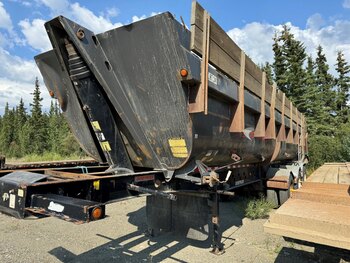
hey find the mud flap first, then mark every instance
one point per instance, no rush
(187, 216)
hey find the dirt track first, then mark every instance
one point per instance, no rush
(120, 238)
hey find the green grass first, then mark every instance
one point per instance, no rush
(48, 156)
(258, 208)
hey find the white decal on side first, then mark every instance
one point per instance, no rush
(12, 203)
(56, 207)
(212, 78)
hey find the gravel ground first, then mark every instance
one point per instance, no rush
(120, 238)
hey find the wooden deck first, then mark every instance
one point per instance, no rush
(335, 173)
(319, 212)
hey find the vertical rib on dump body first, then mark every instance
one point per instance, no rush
(132, 94)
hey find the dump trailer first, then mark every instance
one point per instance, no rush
(179, 114)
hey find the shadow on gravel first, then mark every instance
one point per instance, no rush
(139, 247)
(324, 254)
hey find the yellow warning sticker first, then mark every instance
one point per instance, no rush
(180, 155)
(178, 147)
(105, 146)
(96, 185)
(177, 142)
(96, 125)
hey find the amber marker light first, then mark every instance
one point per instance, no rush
(184, 73)
(96, 213)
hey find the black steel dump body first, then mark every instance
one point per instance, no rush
(182, 115)
(125, 99)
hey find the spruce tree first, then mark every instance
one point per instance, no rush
(20, 118)
(324, 83)
(343, 86)
(54, 129)
(279, 65)
(289, 55)
(37, 124)
(6, 135)
(267, 68)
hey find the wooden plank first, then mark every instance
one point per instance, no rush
(290, 133)
(237, 124)
(297, 136)
(205, 60)
(223, 61)
(260, 130)
(279, 96)
(268, 93)
(295, 114)
(252, 84)
(217, 34)
(200, 103)
(282, 131)
(271, 126)
(287, 105)
(216, 57)
(253, 69)
(223, 49)
(226, 56)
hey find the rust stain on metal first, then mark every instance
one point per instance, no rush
(145, 151)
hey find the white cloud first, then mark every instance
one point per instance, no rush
(16, 68)
(256, 38)
(35, 34)
(11, 91)
(55, 6)
(138, 18)
(17, 78)
(315, 22)
(5, 19)
(82, 15)
(346, 4)
(112, 12)
(23, 2)
(88, 19)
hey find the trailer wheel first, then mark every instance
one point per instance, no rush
(272, 197)
(285, 194)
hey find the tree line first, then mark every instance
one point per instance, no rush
(322, 97)
(24, 133)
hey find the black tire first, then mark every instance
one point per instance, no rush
(272, 197)
(285, 194)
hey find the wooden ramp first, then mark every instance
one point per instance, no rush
(319, 212)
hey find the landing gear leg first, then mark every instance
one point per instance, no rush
(217, 246)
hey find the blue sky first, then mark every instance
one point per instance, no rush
(250, 23)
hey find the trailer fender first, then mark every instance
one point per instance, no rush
(278, 178)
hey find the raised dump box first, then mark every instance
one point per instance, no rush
(187, 104)
(319, 212)
(156, 95)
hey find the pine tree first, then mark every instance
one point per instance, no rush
(7, 134)
(267, 68)
(20, 118)
(290, 56)
(343, 86)
(324, 82)
(279, 65)
(54, 129)
(37, 124)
